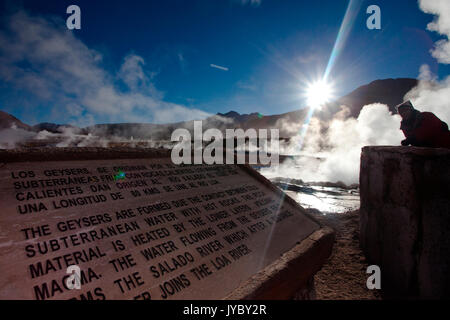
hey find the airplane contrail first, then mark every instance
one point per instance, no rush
(218, 67)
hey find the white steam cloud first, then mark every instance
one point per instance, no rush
(15, 137)
(440, 24)
(431, 94)
(338, 152)
(41, 57)
(10, 137)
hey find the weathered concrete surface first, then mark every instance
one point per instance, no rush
(405, 219)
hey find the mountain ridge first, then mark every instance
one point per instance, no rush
(386, 91)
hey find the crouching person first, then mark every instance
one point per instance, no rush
(422, 129)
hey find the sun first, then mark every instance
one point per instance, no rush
(319, 93)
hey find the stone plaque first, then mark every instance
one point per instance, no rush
(138, 228)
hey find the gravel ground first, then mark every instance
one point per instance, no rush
(344, 276)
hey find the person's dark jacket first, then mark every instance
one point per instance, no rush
(424, 129)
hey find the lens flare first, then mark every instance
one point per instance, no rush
(318, 94)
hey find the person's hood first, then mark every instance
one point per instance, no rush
(406, 104)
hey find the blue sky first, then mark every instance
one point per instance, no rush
(150, 61)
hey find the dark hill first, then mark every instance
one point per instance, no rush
(7, 121)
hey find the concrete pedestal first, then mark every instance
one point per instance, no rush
(405, 219)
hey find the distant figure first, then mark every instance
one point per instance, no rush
(422, 129)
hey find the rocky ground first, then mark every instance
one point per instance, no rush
(344, 276)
